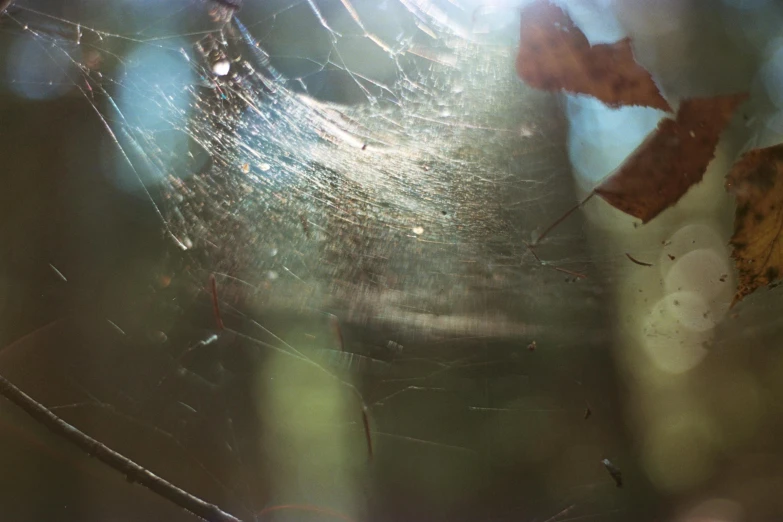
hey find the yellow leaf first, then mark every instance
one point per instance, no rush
(756, 180)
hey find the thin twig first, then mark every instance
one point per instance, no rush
(531, 248)
(562, 218)
(132, 471)
(577, 275)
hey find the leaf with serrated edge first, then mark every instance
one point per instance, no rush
(756, 180)
(671, 159)
(555, 55)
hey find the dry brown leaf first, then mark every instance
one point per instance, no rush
(554, 54)
(756, 180)
(671, 159)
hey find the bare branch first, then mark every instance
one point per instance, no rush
(132, 471)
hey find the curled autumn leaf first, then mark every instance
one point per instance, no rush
(756, 181)
(673, 158)
(555, 55)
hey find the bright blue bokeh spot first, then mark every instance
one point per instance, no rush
(153, 99)
(39, 69)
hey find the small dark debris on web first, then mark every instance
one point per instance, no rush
(614, 472)
(367, 434)
(723, 278)
(305, 225)
(588, 411)
(636, 261)
(337, 331)
(671, 257)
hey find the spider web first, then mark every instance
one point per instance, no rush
(360, 180)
